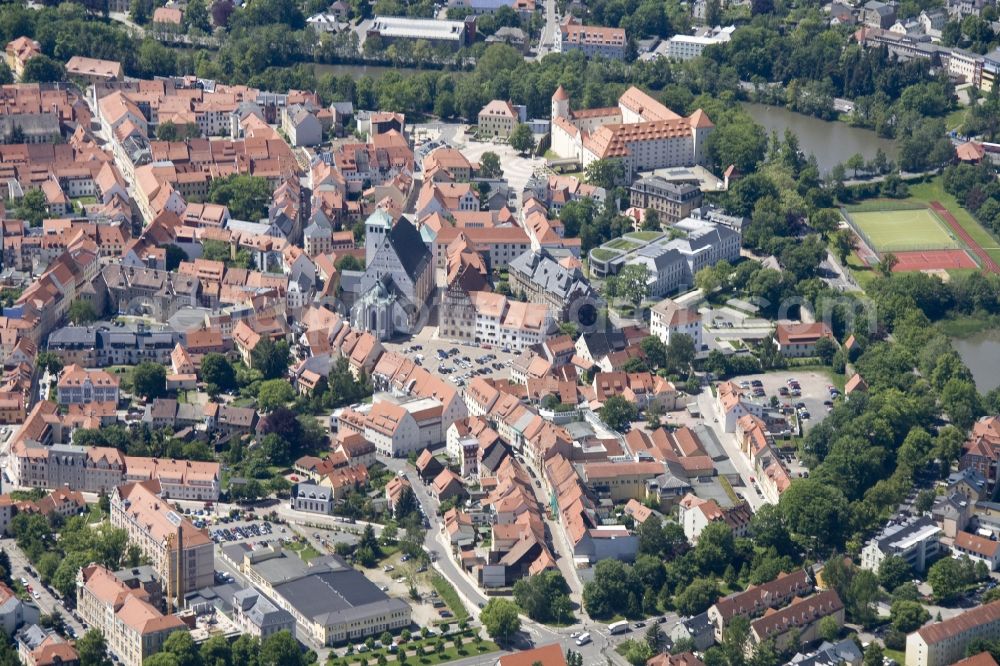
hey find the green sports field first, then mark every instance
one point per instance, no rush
(902, 230)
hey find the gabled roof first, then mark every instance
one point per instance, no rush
(413, 254)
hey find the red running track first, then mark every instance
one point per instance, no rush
(922, 260)
(987, 261)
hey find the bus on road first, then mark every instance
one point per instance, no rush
(618, 627)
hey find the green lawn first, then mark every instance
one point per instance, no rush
(621, 244)
(452, 652)
(602, 254)
(898, 655)
(901, 230)
(885, 204)
(961, 272)
(962, 327)
(645, 236)
(934, 191)
(450, 597)
(956, 118)
(94, 513)
(305, 550)
(728, 487)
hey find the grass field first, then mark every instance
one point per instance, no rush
(934, 191)
(450, 597)
(644, 236)
(899, 230)
(885, 204)
(862, 274)
(622, 244)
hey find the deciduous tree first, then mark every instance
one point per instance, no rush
(501, 620)
(149, 380)
(618, 412)
(521, 139)
(489, 165)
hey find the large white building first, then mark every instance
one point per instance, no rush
(395, 28)
(672, 262)
(917, 540)
(689, 47)
(397, 425)
(640, 131)
(667, 318)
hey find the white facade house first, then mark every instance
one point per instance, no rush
(398, 425)
(977, 548)
(392, 430)
(733, 405)
(302, 126)
(258, 616)
(506, 323)
(463, 447)
(944, 643)
(688, 47)
(695, 514)
(916, 540)
(668, 318)
(79, 386)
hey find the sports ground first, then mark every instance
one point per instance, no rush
(903, 230)
(923, 236)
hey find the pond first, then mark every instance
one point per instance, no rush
(831, 142)
(981, 353)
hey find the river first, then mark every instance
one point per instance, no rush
(831, 142)
(981, 353)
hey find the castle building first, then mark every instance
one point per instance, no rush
(641, 132)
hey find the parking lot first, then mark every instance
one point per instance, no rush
(241, 531)
(429, 348)
(809, 404)
(460, 367)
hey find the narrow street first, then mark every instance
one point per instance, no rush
(559, 544)
(46, 602)
(706, 403)
(546, 40)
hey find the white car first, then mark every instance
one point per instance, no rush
(36, 595)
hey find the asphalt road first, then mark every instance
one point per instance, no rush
(547, 39)
(836, 275)
(47, 602)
